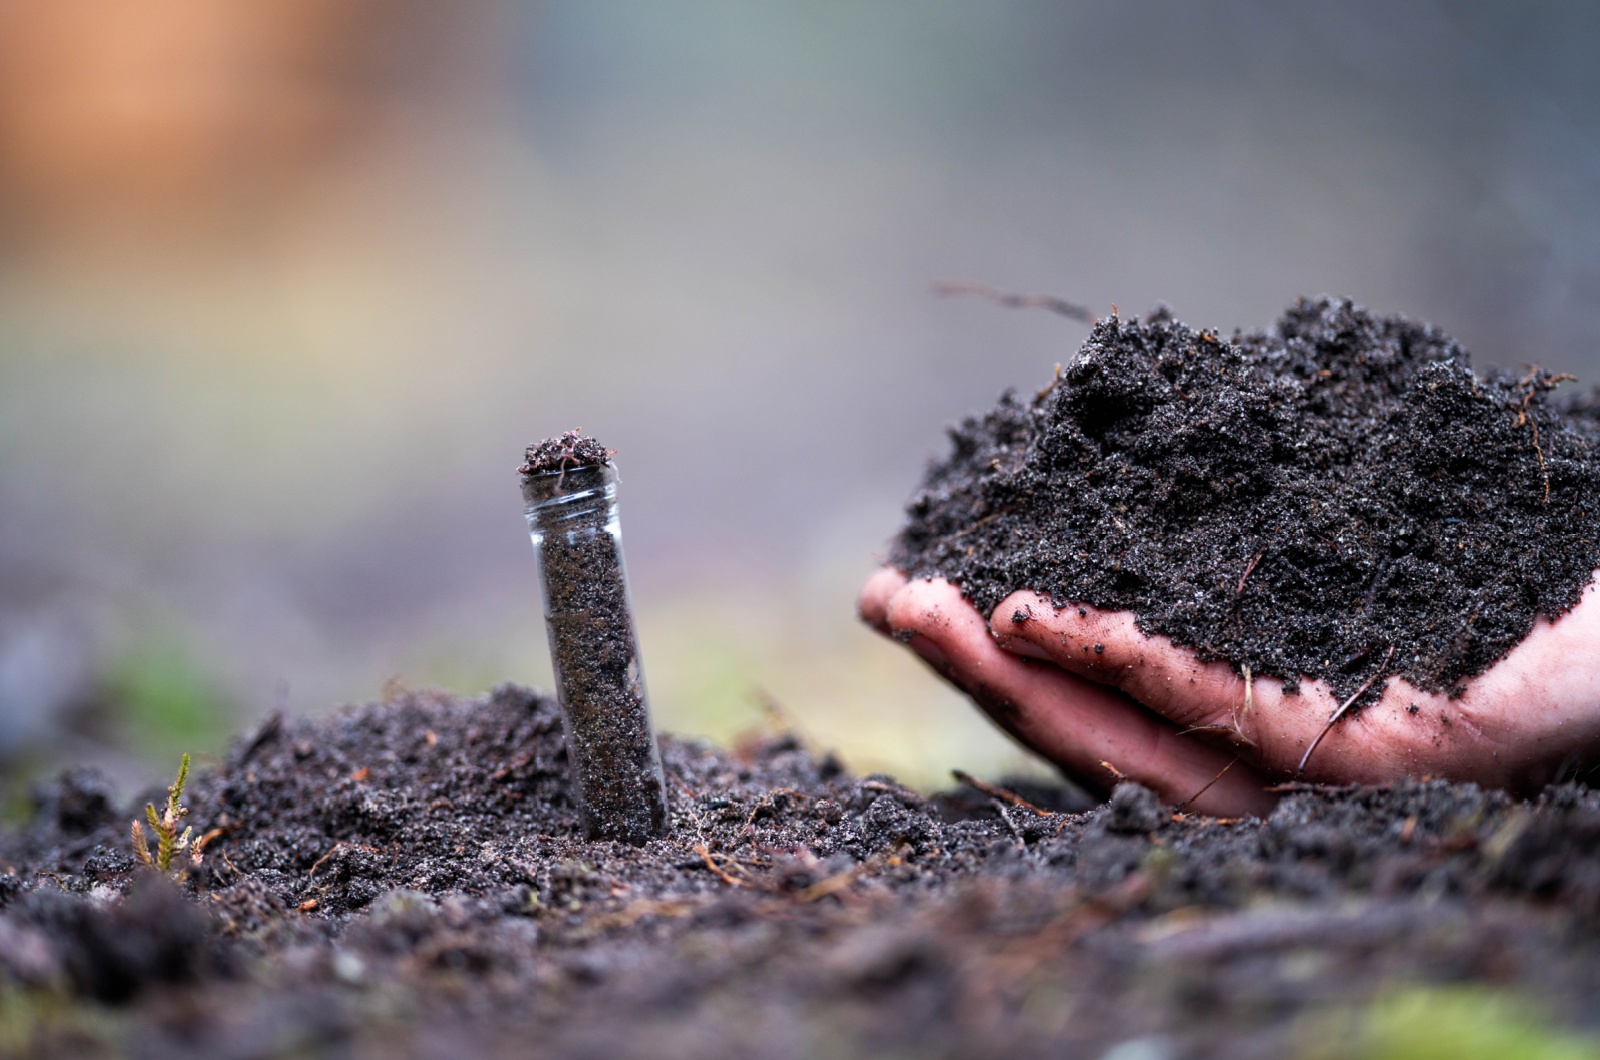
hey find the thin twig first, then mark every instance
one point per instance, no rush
(701, 848)
(1344, 707)
(1249, 569)
(340, 845)
(632, 913)
(1186, 803)
(956, 288)
(995, 791)
(1294, 787)
(1000, 808)
(1235, 734)
(1238, 593)
(705, 855)
(991, 517)
(841, 881)
(1538, 449)
(1249, 705)
(1215, 726)
(832, 885)
(1535, 384)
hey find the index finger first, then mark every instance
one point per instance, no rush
(1109, 647)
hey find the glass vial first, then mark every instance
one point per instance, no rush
(577, 542)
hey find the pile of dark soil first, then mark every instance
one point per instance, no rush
(1300, 501)
(407, 878)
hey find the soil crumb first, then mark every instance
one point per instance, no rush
(408, 878)
(1300, 501)
(570, 450)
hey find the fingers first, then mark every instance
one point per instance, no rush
(1406, 732)
(1108, 647)
(1532, 718)
(1074, 722)
(873, 603)
(1532, 715)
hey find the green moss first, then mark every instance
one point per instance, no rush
(1446, 1023)
(35, 1022)
(16, 798)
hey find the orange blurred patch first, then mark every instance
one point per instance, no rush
(179, 115)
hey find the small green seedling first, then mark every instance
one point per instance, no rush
(169, 844)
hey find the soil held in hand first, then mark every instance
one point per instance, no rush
(409, 878)
(1300, 501)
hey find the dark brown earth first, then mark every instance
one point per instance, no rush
(407, 878)
(1304, 501)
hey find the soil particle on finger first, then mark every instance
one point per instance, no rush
(1299, 501)
(409, 878)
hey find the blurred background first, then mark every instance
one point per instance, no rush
(287, 285)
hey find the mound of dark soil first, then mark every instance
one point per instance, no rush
(408, 879)
(1300, 501)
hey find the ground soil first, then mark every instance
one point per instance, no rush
(408, 878)
(1335, 497)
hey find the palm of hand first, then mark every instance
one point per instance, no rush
(1086, 689)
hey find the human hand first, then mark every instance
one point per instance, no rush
(1087, 690)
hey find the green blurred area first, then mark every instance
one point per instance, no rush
(719, 665)
(16, 790)
(1445, 1023)
(715, 668)
(162, 701)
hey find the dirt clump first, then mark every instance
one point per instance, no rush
(569, 450)
(409, 878)
(1307, 502)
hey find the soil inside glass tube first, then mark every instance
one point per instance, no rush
(593, 644)
(595, 650)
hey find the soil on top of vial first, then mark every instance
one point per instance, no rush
(1307, 501)
(570, 450)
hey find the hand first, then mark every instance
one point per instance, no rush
(1087, 690)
